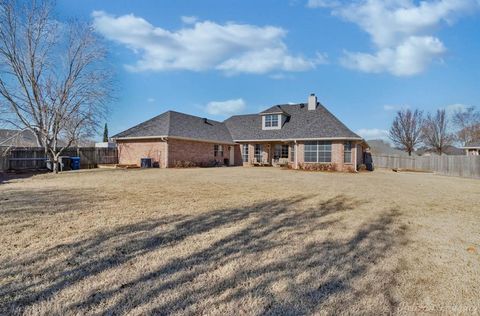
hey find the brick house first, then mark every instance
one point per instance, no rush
(293, 134)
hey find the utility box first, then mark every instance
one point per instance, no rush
(146, 162)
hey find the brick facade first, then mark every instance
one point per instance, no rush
(168, 153)
(200, 153)
(131, 151)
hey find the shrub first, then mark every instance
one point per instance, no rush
(349, 169)
(362, 167)
(184, 164)
(288, 166)
(318, 166)
(209, 164)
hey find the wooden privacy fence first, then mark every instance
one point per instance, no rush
(34, 158)
(460, 166)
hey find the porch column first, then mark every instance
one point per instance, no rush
(355, 158)
(295, 149)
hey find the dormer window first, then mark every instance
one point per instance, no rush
(271, 120)
(275, 118)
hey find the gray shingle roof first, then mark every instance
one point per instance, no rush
(301, 123)
(275, 109)
(473, 144)
(17, 138)
(26, 138)
(177, 124)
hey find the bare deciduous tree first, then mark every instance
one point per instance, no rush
(467, 123)
(53, 76)
(435, 132)
(406, 129)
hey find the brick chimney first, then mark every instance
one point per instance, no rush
(312, 102)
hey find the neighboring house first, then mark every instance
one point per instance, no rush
(294, 134)
(26, 138)
(472, 148)
(379, 147)
(448, 150)
(17, 138)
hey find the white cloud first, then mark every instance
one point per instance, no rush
(231, 47)
(457, 107)
(373, 133)
(151, 100)
(390, 22)
(189, 19)
(392, 107)
(411, 57)
(401, 31)
(227, 107)
(322, 3)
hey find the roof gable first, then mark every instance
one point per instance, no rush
(276, 109)
(302, 124)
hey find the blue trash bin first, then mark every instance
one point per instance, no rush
(75, 163)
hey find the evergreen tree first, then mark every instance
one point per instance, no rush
(105, 134)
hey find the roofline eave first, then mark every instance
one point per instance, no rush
(298, 139)
(165, 138)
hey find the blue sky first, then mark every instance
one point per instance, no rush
(363, 59)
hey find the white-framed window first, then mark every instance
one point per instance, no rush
(318, 151)
(217, 150)
(271, 120)
(258, 152)
(245, 152)
(347, 152)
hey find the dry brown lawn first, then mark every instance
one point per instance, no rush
(239, 241)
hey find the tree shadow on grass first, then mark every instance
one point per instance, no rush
(24, 206)
(6, 177)
(282, 256)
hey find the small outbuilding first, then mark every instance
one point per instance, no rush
(472, 148)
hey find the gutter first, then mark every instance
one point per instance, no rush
(165, 138)
(235, 141)
(296, 139)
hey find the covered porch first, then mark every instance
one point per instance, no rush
(277, 153)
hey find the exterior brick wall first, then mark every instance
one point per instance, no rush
(131, 151)
(238, 156)
(300, 152)
(199, 152)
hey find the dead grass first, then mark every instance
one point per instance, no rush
(239, 241)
